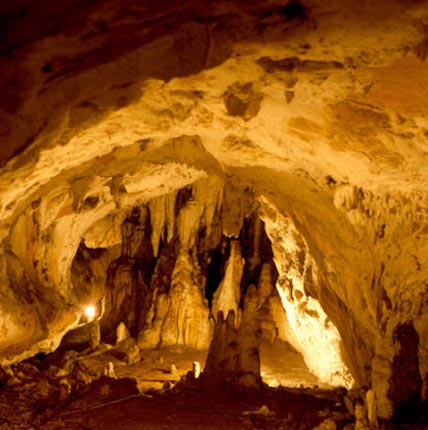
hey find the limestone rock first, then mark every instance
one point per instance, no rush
(149, 336)
(122, 332)
(327, 424)
(187, 319)
(372, 413)
(228, 295)
(338, 166)
(233, 359)
(130, 349)
(304, 313)
(242, 100)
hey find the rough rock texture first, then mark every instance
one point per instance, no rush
(228, 294)
(187, 316)
(315, 110)
(298, 279)
(233, 358)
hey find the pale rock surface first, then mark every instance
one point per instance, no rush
(122, 332)
(327, 424)
(228, 295)
(234, 356)
(325, 117)
(372, 414)
(317, 339)
(265, 286)
(149, 337)
(284, 331)
(187, 319)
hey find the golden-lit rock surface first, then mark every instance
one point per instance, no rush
(312, 115)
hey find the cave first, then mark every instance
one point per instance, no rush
(214, 214)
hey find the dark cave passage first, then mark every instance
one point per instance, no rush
(141, 286)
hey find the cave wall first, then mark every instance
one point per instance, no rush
(395, 231)
(315, 110)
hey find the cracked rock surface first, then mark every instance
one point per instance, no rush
(212, 118)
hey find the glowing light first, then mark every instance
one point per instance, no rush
(90, 312)
(197, 368)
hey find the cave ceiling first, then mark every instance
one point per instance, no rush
(318, 109)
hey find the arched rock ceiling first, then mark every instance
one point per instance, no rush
(342, 94)
(320, 109)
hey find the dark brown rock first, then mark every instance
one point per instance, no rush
(242, 100)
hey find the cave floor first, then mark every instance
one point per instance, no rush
(190, 407)
(196, 409)
(281, 365)
(146, 395)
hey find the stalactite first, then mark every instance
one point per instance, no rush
(257, 240)
(210, 192)
(162, 218)
(127, 293)
(121, 295)
(133, 232)
(238, 203)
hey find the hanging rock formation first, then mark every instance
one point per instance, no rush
(311, 114)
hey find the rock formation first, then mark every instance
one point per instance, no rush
(161, 155)
(233, 358)
(228, 295)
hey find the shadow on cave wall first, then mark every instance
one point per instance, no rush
(406, 382)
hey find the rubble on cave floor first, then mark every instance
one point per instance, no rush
(117, 387)
(109, 403)
(71, 389)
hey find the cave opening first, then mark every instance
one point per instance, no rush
(187, 186)
(159, 293)
(194, 293)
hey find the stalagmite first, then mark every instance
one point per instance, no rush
(233, 358)
(187, 318)
(228, 295)
(258, 226)
(150, 335)
(220, 362)
(248, 371)
(372, 413)
(122, 332)
(265, 161)
(265, 283)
